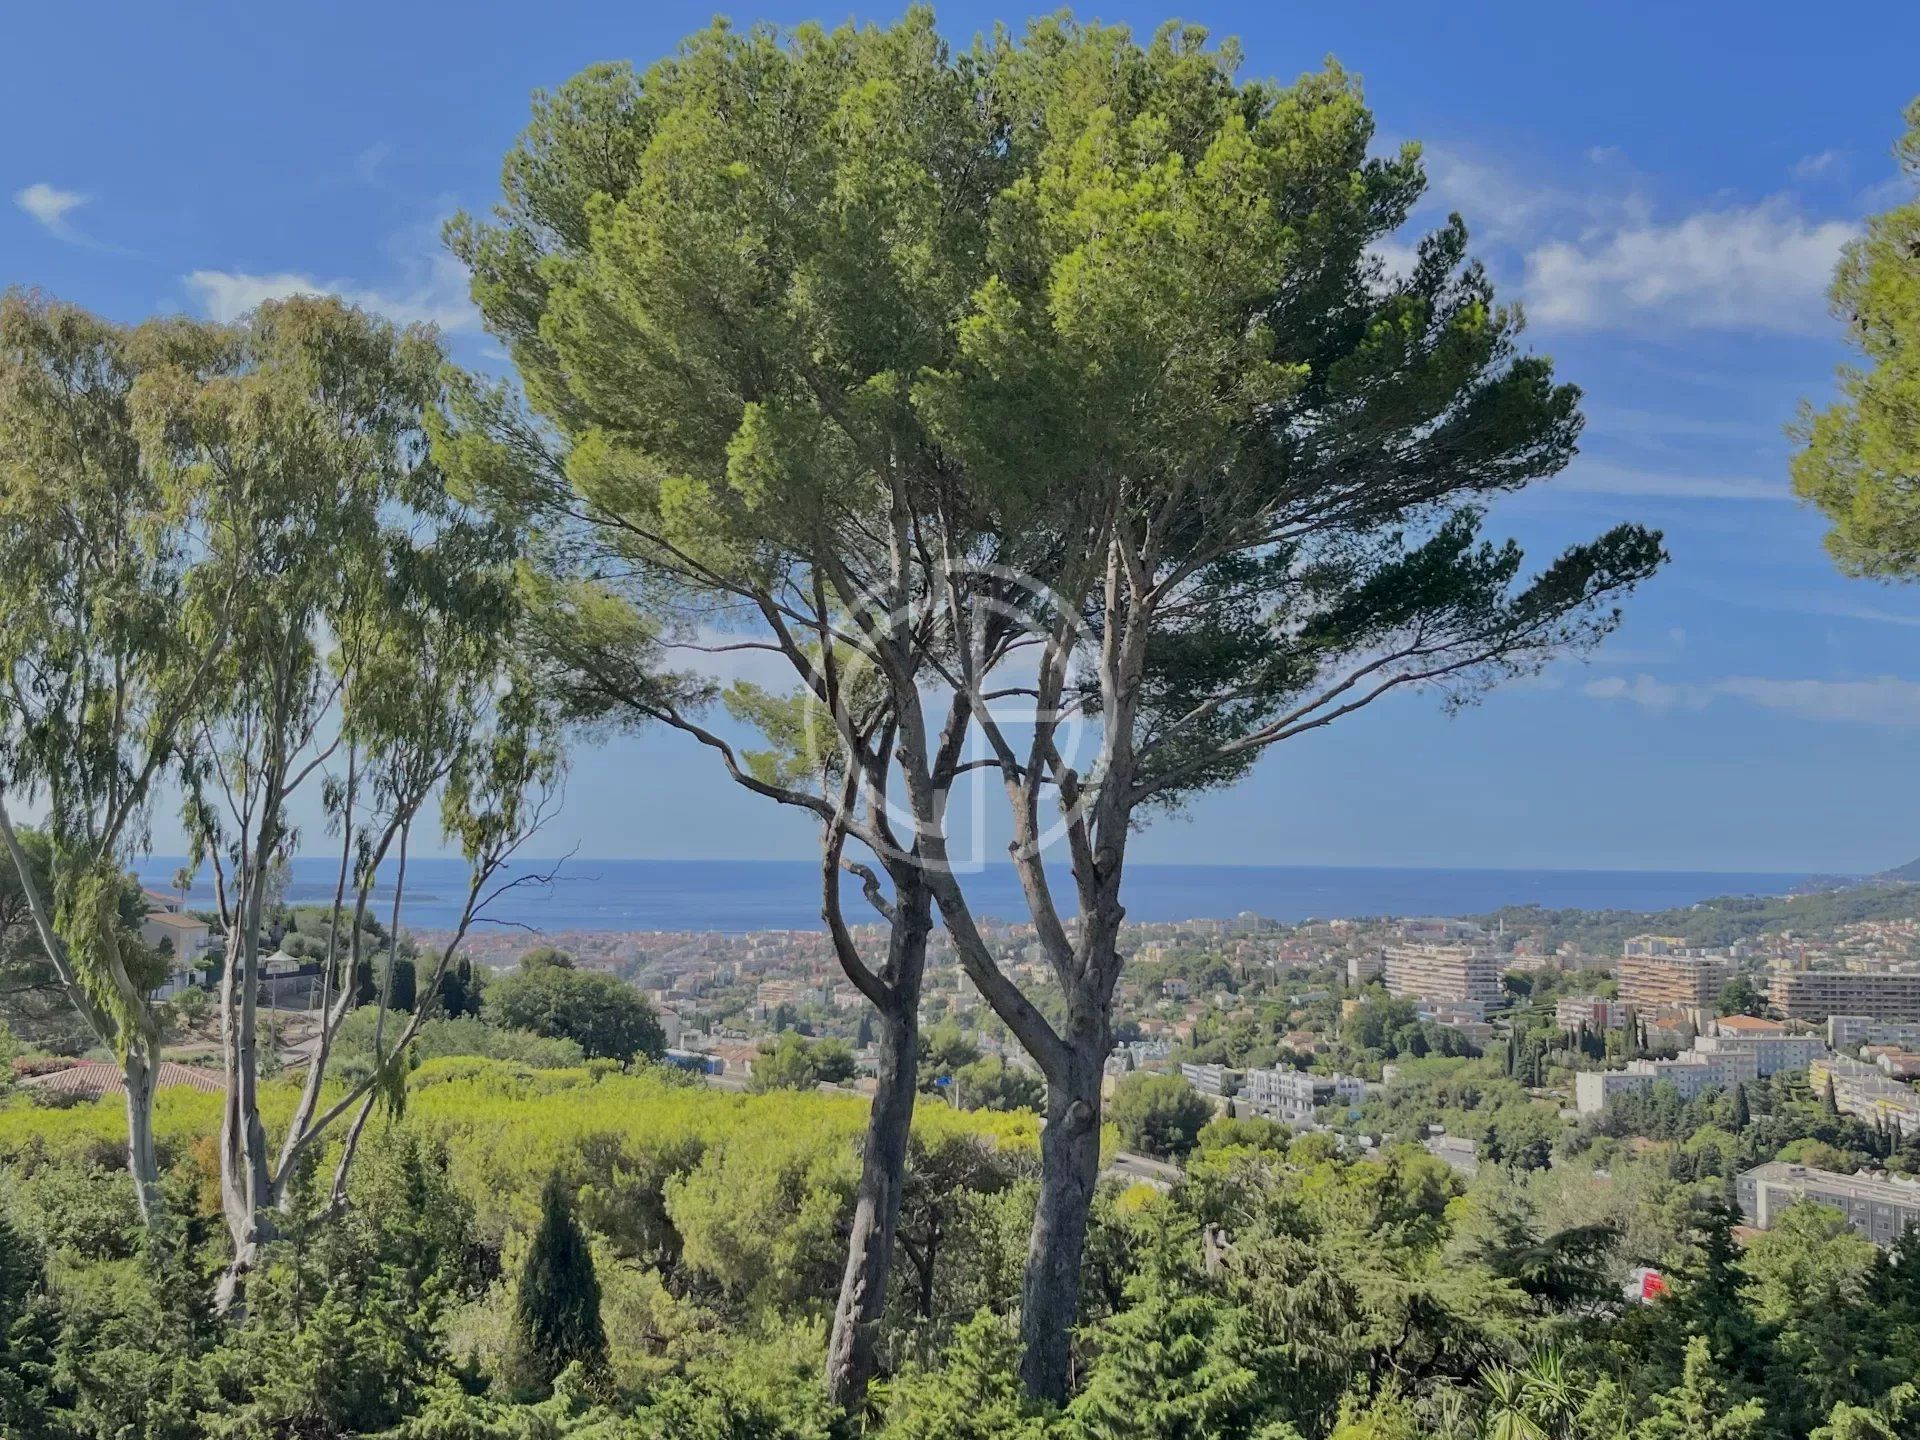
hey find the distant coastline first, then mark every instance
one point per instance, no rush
(743, 895)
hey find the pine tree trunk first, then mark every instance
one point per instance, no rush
(883, 1166)
(1069, 1170)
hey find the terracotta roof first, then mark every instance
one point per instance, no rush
(1749, 1025)
(96, 1079)
(173, 921)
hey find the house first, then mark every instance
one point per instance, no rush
(182, 937)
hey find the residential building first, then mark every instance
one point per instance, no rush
(185, 937)
(1443, 972)
(1294, 1095)
(1654, 945)
(1365, 968)
(1817, 994)
(1595, 1012)
(1746, 1025)
(1868, 1092)
(1772, 1054)
(1657, 979)
(1691, 1074)
(1209, 1079)
(1844, 1032)
(1879, 1208)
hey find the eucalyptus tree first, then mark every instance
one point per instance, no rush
(678, 261)
(370, 619)
(105, 649)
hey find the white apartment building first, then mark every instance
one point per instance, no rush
(1846, 1031)
(1691, 1074)
(1868, 1092)
(1208, 1079)
(1772, 1053)
(1365, 968)
(1293, 1095)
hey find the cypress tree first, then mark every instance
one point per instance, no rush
(556, 1315)
(1742, 1113)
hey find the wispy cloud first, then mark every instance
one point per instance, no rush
(1761, 267)
(51, 208)
(1882, 700)
(1604, 254)
(1810, 167)
(1600, 477)
(433, 291)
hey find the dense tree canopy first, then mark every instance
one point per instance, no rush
(606, 1017)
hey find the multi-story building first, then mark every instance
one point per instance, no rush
(1817, 994)
(1691, 1074)
(1365, 968)
(1209, 1079)
(1868, 1092)
(1772, 1054)
(1443, 972)
(1294, 1095)
(1880, 1209)
(1653, 980)
(1846, 1031)
(1595, 1012)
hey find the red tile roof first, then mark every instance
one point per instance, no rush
(96, 1079)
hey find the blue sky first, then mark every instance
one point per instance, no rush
(1664, 186)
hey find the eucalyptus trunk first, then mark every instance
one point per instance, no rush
(853, 1343)
(246, 1181)
(140, 1069)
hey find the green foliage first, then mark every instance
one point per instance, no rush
(975, 1394)
(793, 1062)
(556, 1307)
(1860, 454)
(1699, 1408)
(990, 1083)
(1158, 1114)
(606, 1017)
(437, 1038)
(29, 1326)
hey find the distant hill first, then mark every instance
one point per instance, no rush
(1907, 874)
(1722, 921)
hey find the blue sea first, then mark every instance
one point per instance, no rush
(737, 895)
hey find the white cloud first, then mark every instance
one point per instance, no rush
(49, 206)
(1759, 267)
(1880, 700)
(1599, 477)
(436, 293)
(1810, 166)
